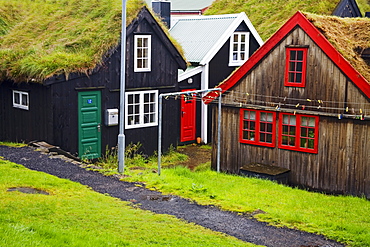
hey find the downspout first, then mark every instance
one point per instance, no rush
(204, 107)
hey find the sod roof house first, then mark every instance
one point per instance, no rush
(347, 8)
(60, 74)
(214, 46)
(302, 103)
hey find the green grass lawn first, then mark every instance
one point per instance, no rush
(74, 215)
(68, 216)
(342, 218)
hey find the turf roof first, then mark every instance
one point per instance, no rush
(40, 38)
(350, 36)
(267, 16)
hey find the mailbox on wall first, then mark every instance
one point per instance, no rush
(111, 117)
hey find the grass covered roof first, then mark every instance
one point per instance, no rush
(40, 38)
(267, 16)
(350, 36)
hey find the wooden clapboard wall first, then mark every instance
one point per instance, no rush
(342, 164)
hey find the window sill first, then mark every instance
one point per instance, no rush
(236, 64)
(137, 126)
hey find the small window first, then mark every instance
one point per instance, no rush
(141, 109)
(295, 68)
(142, 53)
(20, 100)
(298, 132)
(257, 127)
(239, 48)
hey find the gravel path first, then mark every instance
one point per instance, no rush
(241, 227)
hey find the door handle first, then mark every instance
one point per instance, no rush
(99, 126)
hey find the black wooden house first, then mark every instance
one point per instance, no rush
(214, 45)
(347, 8)
(79, 112)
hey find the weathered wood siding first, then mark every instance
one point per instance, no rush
(342, 164)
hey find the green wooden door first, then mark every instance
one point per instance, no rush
(89, 124)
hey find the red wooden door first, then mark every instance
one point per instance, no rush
(188, 116)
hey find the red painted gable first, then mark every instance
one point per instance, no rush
(298, 19)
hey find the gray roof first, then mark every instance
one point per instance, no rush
(202, 36)
(186, 5)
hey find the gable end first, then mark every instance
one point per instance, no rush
(298, 20)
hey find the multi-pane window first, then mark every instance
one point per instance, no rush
(298, 132)
(257, 127)
(239, 48)
(141, 109)
(142, 53)
(295, 70)
(20, 100)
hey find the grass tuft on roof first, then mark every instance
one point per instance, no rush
(40, 38)
(350, 36)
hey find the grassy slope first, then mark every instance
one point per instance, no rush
(268, 15)
(73, 215)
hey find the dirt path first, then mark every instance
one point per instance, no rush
(241, 227)
(197, 155)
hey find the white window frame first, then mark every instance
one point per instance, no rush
(21, 104)
(130, 115)
(148, 58)
(239, 44)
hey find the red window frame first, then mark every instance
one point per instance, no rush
(299, 132)
(259, 129)
(295, 67)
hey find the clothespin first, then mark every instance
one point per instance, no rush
(353, 110)
(284, 98)
(309, 100)
(339, 116)
(303, 106)
(347, 109)
(360, 110)
(319, 107)
(297, 105)
(166, 98)
(294, 113)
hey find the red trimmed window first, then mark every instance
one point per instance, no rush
(257, 127)
(298, 132)
(295, 67)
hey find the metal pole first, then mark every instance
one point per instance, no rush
(219, 134)
(121, 135)
(159, 134)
